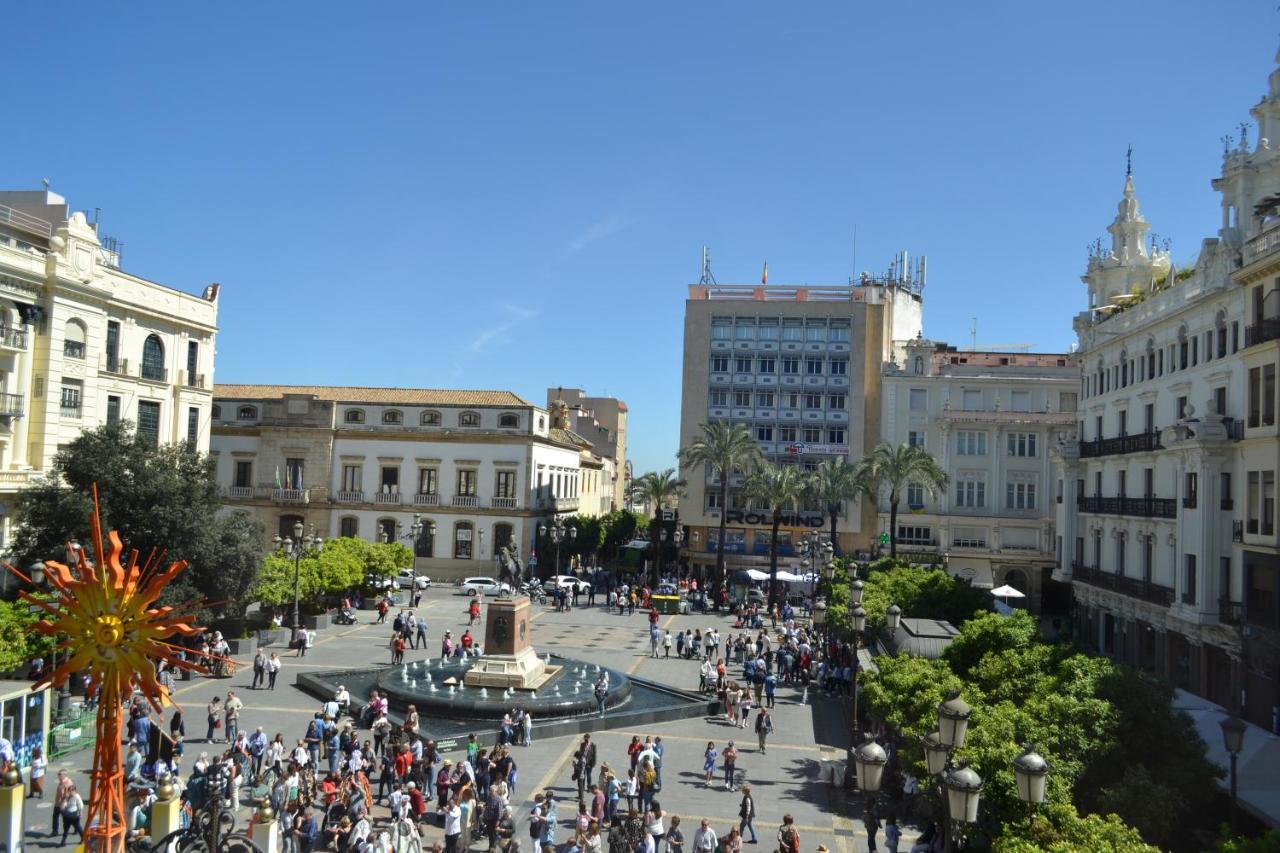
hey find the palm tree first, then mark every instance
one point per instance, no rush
(723, 448)
(893, 468)
(659, 488)
(833, 483)
(779, 487)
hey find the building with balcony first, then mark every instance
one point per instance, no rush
(989, 419)
(485, 466)
(602, 421)
(83, 342)
(1167, 525)
(800, 366)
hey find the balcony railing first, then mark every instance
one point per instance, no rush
(465, 501)
(1132, 587)
(25, 221)
(1230, 612)
(1139, 443)
(565, 504)
(289, 496)
(1267, 329)
(153, 374)
(69, 410)
(73, 349)
(503, 503)
(347, 496)
(11, 405)
(1264, 244)
(240, 492)
(390, 498)
(1140, 507)
(116, 366)
(1237, 531)
(13, 338)
(432, 499)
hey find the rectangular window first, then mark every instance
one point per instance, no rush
(742, 399)
(1020, 496)
(835, 402)
(193, 362)
(713, 500)
(839, 333)
(720, 364)
(743, 364)
(787, 434)
(971, 443)
(813, 401)
(466, 482)
(835, 436)
(792, 333)
(813, 366)
(812, 435)
(1120, 556)
(914, 535)
(919, 400)
(1022, 443)
(971, 491)
(1222, 342)
(149, 421)
(1220, 400)
(915, 495)
(815, 333)
(972, 401)
(720, 398)
(915, 438)
(721, 333)
(243, 477)
(428, 481)
(1124, 423)
(790, 366)
(351, 477)
(764, 433)
(1255, 397)
(1019, 401)
(1181, 407)
(1268, 395)
(1268, 503)
(1190, 484)
(505, 485)
(767, 365)
(1253, 501)
(764, 399)
(969, 537)
(1189, 582)
(767, 333)
(113, 346)
(193, 425)
(1067, 401)
(113, 409)
(744, 333)
(839, 367)
(1149, 417)
(72, 389)
(792, 401)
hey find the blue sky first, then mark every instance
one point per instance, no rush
(515, 195)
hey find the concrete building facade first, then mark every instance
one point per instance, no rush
(602, 421)
(83, 343)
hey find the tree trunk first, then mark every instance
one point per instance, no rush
(773, 561)
(655, 536)
(724, 509)
(835, 513)
(893, 526)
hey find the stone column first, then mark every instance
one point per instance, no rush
(166, 811)
(12, 794)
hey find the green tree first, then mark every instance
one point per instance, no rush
(779, 487)
(1268, 843)
(164, 498)
(19, 643)
(923, 593)
(617, 529)
(834, 483)
(723, 448)
(660, 489)
(893, 469)
(1058, 828)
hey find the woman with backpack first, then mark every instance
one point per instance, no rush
(788, 838)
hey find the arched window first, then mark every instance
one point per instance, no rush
(246, 413)
(502, 534)
(386, 530)
(392, 417)
(508, 420)
(349, 526)
(426, 544)
(73, 339)
(469, 419)
(217, 412)
(353, 416)
(153, 359)
(463, 533)
(431, 419)
(286, 525)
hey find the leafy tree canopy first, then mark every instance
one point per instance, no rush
(922, 593)
(19, 644)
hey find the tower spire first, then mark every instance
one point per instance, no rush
(1128, 162)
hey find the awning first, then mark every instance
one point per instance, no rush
(1006, 591)
(976, 572)
(788, 577)
(1257, 783)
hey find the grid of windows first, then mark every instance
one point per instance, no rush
(1020, 496)
(971, 491)
(971, 443)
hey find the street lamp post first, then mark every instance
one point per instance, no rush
(869, 761)
(37, 575)
(1032, 773)
(959, 787)
(557, 531)
(1233, 729)
(298, 547)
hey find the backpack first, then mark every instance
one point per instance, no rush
(790, 840)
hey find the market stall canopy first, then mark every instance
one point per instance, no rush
(788, 577)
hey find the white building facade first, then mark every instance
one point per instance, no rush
(989, 420)
(486, 467)
(84, 343)
(1168, 524)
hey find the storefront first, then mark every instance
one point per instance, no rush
(24, 718)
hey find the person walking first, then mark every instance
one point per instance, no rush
(231, 711)
(473, 612)
(300, 641)
(705, 841)
(666, 644)
(273, 670)
(788, 838)
(892, 834)
(259, 669)
(72, 811)
(730, 765)
(747, 813)
(655, 637)
(709, 763)
(420, 633)
(872, 824)
(214, 709)
(764, 728)
(38, 767)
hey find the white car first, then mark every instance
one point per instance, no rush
(482, 586)
(408, 578)
(557, 581)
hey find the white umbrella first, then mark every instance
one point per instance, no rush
(1006, 591)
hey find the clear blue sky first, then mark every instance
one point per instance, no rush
(515, 195)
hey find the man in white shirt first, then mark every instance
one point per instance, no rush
(452, 826)
(704, 838)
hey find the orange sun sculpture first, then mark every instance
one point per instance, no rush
(113, 631)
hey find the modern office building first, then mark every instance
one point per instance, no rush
(989, 419)
(484, 466)
(83, 342)
(1168, 518)
(800, 366)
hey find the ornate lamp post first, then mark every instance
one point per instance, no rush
(36, 573)
(869, 761)
(557, 531)
(1233, 729)
(297, 547)
(959, 787)
(893, 618)
(1032, 772)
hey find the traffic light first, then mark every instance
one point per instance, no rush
(884, 537)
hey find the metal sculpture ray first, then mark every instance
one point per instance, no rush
(106, 613)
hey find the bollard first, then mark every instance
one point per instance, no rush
(12, 798)
(166, 811)
(265, 829)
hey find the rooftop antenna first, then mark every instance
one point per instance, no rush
(1128, 162)
(707, 277)
(854, 270)
(973, 333)
(45, 181)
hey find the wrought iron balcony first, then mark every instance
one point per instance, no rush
(1142, 442)
(1140, 507)
(1230, 612)
(1132, 587)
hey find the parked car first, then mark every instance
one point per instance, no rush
(483, 586)
(408, 578)
(556, 581)
(378, 583)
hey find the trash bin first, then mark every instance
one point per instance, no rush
(667, 605)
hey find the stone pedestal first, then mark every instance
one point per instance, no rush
(509, 659)
(265, 831)
(11, 802)
(165, 816)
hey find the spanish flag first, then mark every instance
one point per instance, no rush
(764, 277)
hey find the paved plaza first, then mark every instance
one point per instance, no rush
(789, 779)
